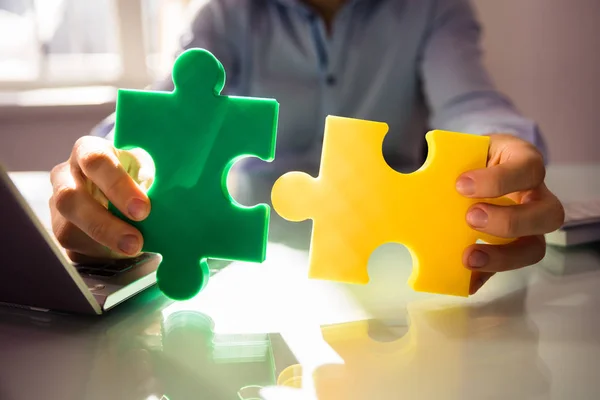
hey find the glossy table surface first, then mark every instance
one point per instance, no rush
(264, 331)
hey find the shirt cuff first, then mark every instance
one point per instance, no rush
(522, 128)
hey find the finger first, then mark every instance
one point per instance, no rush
(540, 213)
(98, 161)
(139, 166)
(80, 258)
(498, 258)
(80, 247)
(79, 208)
(68, 236)
(73, 239)
(520, 168)
(478, 279)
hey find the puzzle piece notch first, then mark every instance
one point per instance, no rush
(194, 135)
(356, 209)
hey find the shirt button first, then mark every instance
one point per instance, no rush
(330, 80)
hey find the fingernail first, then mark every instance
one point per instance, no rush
(478, 259)
(465, 186)
(137, 208)
(477, 218)
(129, 244)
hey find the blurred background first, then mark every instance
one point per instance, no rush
(61, 62)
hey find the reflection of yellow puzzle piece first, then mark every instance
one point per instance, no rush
(359, 203)
(381, 370)
(449, 352)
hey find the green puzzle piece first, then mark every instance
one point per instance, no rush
(195, 135)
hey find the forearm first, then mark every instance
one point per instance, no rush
(488, 113)
(460, 93)
(104, 128)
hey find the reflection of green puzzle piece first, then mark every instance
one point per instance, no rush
(194, 136)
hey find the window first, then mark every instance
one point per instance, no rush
(70, 43)
(163, 21)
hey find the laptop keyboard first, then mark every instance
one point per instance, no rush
(111, 268)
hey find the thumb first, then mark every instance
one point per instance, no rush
(514, 166)
(139, 166)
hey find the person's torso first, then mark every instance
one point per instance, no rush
(367, 67)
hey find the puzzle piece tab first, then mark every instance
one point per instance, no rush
(195, 135)
(358, 203)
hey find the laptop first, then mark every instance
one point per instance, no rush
(581, 225)
(578, 188)
(35, 272)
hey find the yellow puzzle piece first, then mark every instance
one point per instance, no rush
(358, 203)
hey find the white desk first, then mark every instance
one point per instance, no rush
(528, 334)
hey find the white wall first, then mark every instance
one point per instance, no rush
(546, 55)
